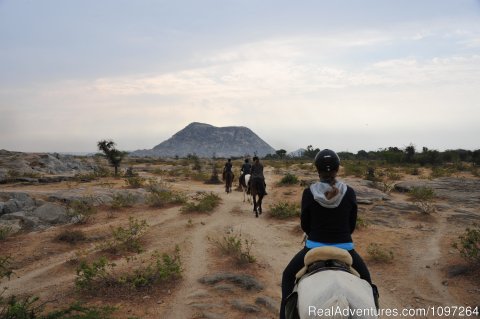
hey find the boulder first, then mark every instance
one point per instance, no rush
(51, 214)
(26, 222)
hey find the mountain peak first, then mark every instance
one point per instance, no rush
(206, 140)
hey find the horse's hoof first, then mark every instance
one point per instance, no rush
(260, 211)
(256, 214)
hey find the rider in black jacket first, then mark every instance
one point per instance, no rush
(328, 218)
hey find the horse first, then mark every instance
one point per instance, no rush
(329, 287)
(228, 177)
(257, 188)
(244, 186)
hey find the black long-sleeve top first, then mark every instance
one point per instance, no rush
(329, 225)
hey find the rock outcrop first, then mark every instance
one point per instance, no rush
(205, 140)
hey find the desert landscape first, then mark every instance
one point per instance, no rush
(167, 256)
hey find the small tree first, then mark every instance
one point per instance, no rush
(281, 153)
(113, 155)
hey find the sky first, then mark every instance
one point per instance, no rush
(346, 75)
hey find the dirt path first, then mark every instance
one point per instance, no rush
(416, 276)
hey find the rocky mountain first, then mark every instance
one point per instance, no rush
(206, 140)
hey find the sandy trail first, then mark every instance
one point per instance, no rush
(416, 275)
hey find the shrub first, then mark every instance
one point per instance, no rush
(162, 268)
(5, 267)
(160, 195)
(469, 244)
(378, 254)
(71, 236)
(424, 198)
(85, 177)
(90, 276)
(102, 171)
(361, 223)
(441, 172)
(206, 203)
(120, 201)
(288, 179)
(99, 274)
(283, 210)
(127, 238)
(5, 231)
(81, 210)
(233, 245)
(135, 181)
(357, 169)
(166, 197)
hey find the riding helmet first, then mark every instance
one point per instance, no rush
(327, 160)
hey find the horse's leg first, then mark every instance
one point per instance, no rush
(260, 198)
(255, 204)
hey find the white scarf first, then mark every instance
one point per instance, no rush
(318, 190)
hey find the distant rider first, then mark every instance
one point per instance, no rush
(227, 167)
(257, 172)
(246, 168)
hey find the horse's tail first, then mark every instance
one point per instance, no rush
(339, 305)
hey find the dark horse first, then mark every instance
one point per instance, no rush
(257, 188)
(228, 178)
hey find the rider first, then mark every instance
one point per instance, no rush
(246, 167)
(328, 218)
(257, 172)
(227, 167)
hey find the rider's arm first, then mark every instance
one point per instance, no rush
(353, 212)
(305, 213)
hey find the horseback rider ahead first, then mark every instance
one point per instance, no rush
(246, 168)
(257, 172)
(227, 167)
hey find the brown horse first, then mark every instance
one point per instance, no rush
(228, 177)
(257, 189)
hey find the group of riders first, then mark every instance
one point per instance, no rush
(328, 218)
(255, 171)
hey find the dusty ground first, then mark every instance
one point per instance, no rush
(418, 277)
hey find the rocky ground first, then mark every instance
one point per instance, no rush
(426, 271)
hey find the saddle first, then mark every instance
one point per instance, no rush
(326, 258)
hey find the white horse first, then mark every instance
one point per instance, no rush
(333, 293)
(245, 188)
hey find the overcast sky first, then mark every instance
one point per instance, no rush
(346, 75)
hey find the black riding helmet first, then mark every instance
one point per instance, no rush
(327, 160)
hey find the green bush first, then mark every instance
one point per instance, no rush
(355, 168)
(469, 244)
(165, 197)
(205, 204)
(378, 254)
(288, 179)
(233, 245)
(126, 238)
(162, 268)
(120, 201)
(361, 223)
(81, 210)
(90, 276)
(5, 231)
(100, 275)
(5, 267)
(135, 181)
(28, 308)
(283, 210)
(424, 198)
